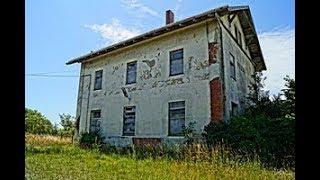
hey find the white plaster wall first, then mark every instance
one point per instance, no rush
(154, 88)
(233, 88)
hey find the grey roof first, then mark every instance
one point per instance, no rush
(245, 20)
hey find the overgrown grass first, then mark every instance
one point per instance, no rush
(48, 158)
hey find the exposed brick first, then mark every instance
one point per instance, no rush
(213, 50)
(216, 99)
(146, 141)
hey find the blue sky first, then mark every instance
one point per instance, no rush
(58, 30)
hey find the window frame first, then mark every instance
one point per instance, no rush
(95, 118)
(135, 74)
(233, 104)
(170, 62)
(169, 118)
(134, 122)
(95, 80)
(233, 67)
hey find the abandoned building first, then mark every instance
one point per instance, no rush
(148, 88)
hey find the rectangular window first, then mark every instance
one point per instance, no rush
(98, 80)
(131, 72)
(176, 118)
(95, 118)
(238, 35)
(234, 109)
(232, 67)
(129, 116)
(176, 62)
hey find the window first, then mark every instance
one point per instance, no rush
(95, 120)
(98, 80)
(129, 115)
(238, 35)
(176, 62)
(232, 67)
(234, 109)
(131, 72)
(176, 118)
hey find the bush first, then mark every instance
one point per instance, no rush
(271, 140)
(88, 140)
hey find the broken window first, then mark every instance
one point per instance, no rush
(234, 109)
(131, 72)
(98, 80)
(95, 120)
(232, 67)
(129, 115)
(176, 62)
(176, 118)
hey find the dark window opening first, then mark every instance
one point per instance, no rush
(131, 72)
(95, 120)
(238, 35)
(176, 118)
(129, 115)
(98, 80)
(232, 67)
(234, 109)
(176, 62)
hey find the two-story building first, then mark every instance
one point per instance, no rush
(149, 87)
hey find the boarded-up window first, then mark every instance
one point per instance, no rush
(131, 72)
(232, 67)
(98, 80)
(95, 120)
(129, 116)
(176, 118)
(176, 62)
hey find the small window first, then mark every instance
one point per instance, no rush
(238, 35)
(95, 120)
(131, 72)
(176, 118)
(232, 67)
(98, 80)
(129, 116)
(176, 62)
(234, 109)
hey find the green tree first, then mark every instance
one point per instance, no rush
(36, 123)
(68, 124)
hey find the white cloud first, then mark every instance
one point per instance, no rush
(140, 8)
(113, 32)
(278, 48)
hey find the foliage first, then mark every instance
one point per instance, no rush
(71, 162)
(267, 128)
(37, 123)
(90, 139)
(68, 125)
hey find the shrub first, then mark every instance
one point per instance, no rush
(271, 140)
(88, 140)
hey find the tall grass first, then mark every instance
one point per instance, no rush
(48, 158)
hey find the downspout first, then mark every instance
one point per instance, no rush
(88, 100)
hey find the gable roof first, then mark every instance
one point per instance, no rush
(243, 13)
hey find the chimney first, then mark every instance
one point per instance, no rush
(169, 17)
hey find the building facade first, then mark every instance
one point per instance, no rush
(148, 88)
